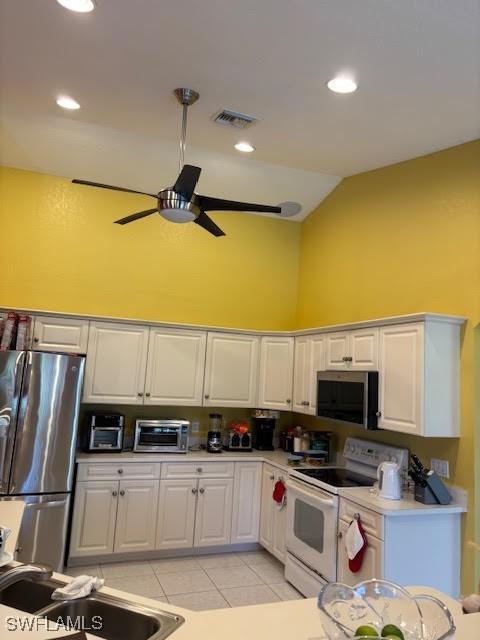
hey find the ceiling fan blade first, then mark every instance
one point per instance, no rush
(187, 181)
(217, 204)
(136, 216)
(109, 186)
(208, 224)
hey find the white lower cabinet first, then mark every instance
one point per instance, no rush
(372, 565)
(136, 515)
(272, 519)
(176, 514)
(247, 494)
(94, 517)
(213, 521)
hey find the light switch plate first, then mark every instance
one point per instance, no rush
(441, 467)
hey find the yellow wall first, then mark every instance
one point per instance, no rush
(61, 252)
(397, 240)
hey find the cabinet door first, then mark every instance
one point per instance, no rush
(94, 516)
(279, 525)
(401, 378)
(176, 514)
(267, 507)
(136, 515)
(364, 349)
(213, 523)
(337, 350)
(316, 363)
(175, 366)
(246, 502)
(231, 370)
(66, 335)
(300, 375)
(116, 361)
(372, 566)
(276, 373)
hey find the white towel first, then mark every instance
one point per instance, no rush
(354, 541)
(80, 587)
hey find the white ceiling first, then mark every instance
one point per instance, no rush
(417, 63)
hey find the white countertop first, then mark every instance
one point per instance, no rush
(293, 620)
(407, 506)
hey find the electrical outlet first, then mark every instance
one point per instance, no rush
(195, 426)
(441, 467)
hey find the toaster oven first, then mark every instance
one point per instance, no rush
(162, 436)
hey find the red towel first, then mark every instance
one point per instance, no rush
(279, 492)
(355, 563)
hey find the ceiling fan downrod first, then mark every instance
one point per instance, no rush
(186, 97)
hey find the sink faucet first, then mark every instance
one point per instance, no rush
(25, 572)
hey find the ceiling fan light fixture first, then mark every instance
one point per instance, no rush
(342, 84)
(177, 215)
(66, 102)
(79, 6)
(244, 147)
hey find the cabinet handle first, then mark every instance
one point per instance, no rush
(288, 401)
(147, 394)
(114, 494)
(379, 414)
(36, 339)
(194, 490)
(19, 549)
(122, 492)
(199, 469)
(140, 394)
(207, 396)
(272, 477)
(202, 490)
(347, 358)
(339, 534)
(120, 471)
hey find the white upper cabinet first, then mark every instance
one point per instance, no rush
(276, 372)
(419, 378)
(231, 370)
(352, 350)
(66, 335)
(116, 362)
(175, 366)
(309, 359)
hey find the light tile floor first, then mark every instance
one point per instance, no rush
(201, 582)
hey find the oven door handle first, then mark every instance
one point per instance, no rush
(294, 486)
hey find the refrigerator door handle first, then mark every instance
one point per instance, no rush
(44, 505)
(3, 454)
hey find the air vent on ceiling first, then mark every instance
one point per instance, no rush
(234, 119)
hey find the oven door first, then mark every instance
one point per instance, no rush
(312, 527)
(105, 439)
(155, 438)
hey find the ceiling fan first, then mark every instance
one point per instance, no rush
(180, 203)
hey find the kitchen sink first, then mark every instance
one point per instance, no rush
(108, 617)
(28, 595)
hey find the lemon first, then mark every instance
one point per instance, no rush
(366, 631)
(391, 632)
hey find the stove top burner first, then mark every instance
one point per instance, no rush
(338, 477)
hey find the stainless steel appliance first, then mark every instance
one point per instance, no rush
(39, 405)
(264, 422)
(105, 432)
(166, 436)
(239, 441)
(312, 511)
(348, 396)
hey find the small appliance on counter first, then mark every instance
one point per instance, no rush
(239, 437)
(389, 480)
(214, 437)
(264, 422)
(161, 436)
(104, 432)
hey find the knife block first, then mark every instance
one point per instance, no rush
(434, 491)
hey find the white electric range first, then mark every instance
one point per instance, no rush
(312, 510)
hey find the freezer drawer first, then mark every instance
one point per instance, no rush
(43, 532)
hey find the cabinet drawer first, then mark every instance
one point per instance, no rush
(372, 522)
(117, 471)
(197, 470)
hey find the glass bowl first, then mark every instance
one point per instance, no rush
(378, 603)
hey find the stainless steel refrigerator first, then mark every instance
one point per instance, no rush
(39, 405)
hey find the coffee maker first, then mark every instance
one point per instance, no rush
(263, 422)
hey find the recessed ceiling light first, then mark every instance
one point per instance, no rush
(67, 103)
(246, 147)
(80, 6)
(341, 84)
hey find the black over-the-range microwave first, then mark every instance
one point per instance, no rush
(348, 396)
